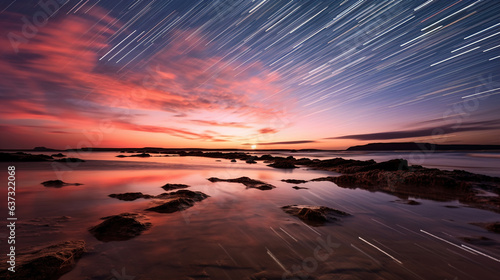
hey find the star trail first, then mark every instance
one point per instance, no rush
(229, 73)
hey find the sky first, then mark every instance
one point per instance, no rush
(248, 74)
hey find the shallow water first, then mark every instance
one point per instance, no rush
(238, 232)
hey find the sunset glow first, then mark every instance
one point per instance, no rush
(183, 77)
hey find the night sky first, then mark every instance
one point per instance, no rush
(242, 74)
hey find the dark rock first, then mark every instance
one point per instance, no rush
(249, 183)
(300, 188)
(480, 241)
(283, 164)
(121, 156)
(47, 263)
(119, 228)
(294, 181)
(130, 196)
(58, 155)
(141, 155)
(195, 196)
(314, 215)
(58, 184)
(250, 160)
(169, 187)
(493, 226)
(43, 149)
(174, 205)
(407, 201)
(233, 160)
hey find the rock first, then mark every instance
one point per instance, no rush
(250, 161)
(47, 263)
(294, 181)
(121, 156)
(169, 187)
(493, 226)
(314, 215)
(23, 157)
(174, 205)
(407, 201)
(179, 200)
(283, 164)
(69, 160)
(195, 196)
(300, 188)
(141, 155)
(249, 183)
(233, 160)
(58, 184)
(58, 155)
(480, 241)
(119, 228)
(130, 196)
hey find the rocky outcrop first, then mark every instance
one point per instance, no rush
(249, 183)
(119, 227)
(58, 184)
(283, 164)
(47, 263)
(170, 187)
(314, 215)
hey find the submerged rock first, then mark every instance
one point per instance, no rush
(174, 205)
(300, 188)
(407, 201)
(314, 215)
(294, 181)
(130, 196)
(141, 155)
(58, 184)
(169, 187)
(249, 183)
(47, 263)
(119, 228)
(493, 226)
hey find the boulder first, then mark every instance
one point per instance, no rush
(45, 263)
(120, 227)
(314, 215)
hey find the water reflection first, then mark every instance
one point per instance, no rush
(239, 232)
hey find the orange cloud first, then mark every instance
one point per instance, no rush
(58, 79)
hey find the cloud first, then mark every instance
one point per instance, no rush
(268, 130)
(57, 77)
(424, 132)
(226, 124)
(286, 142)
